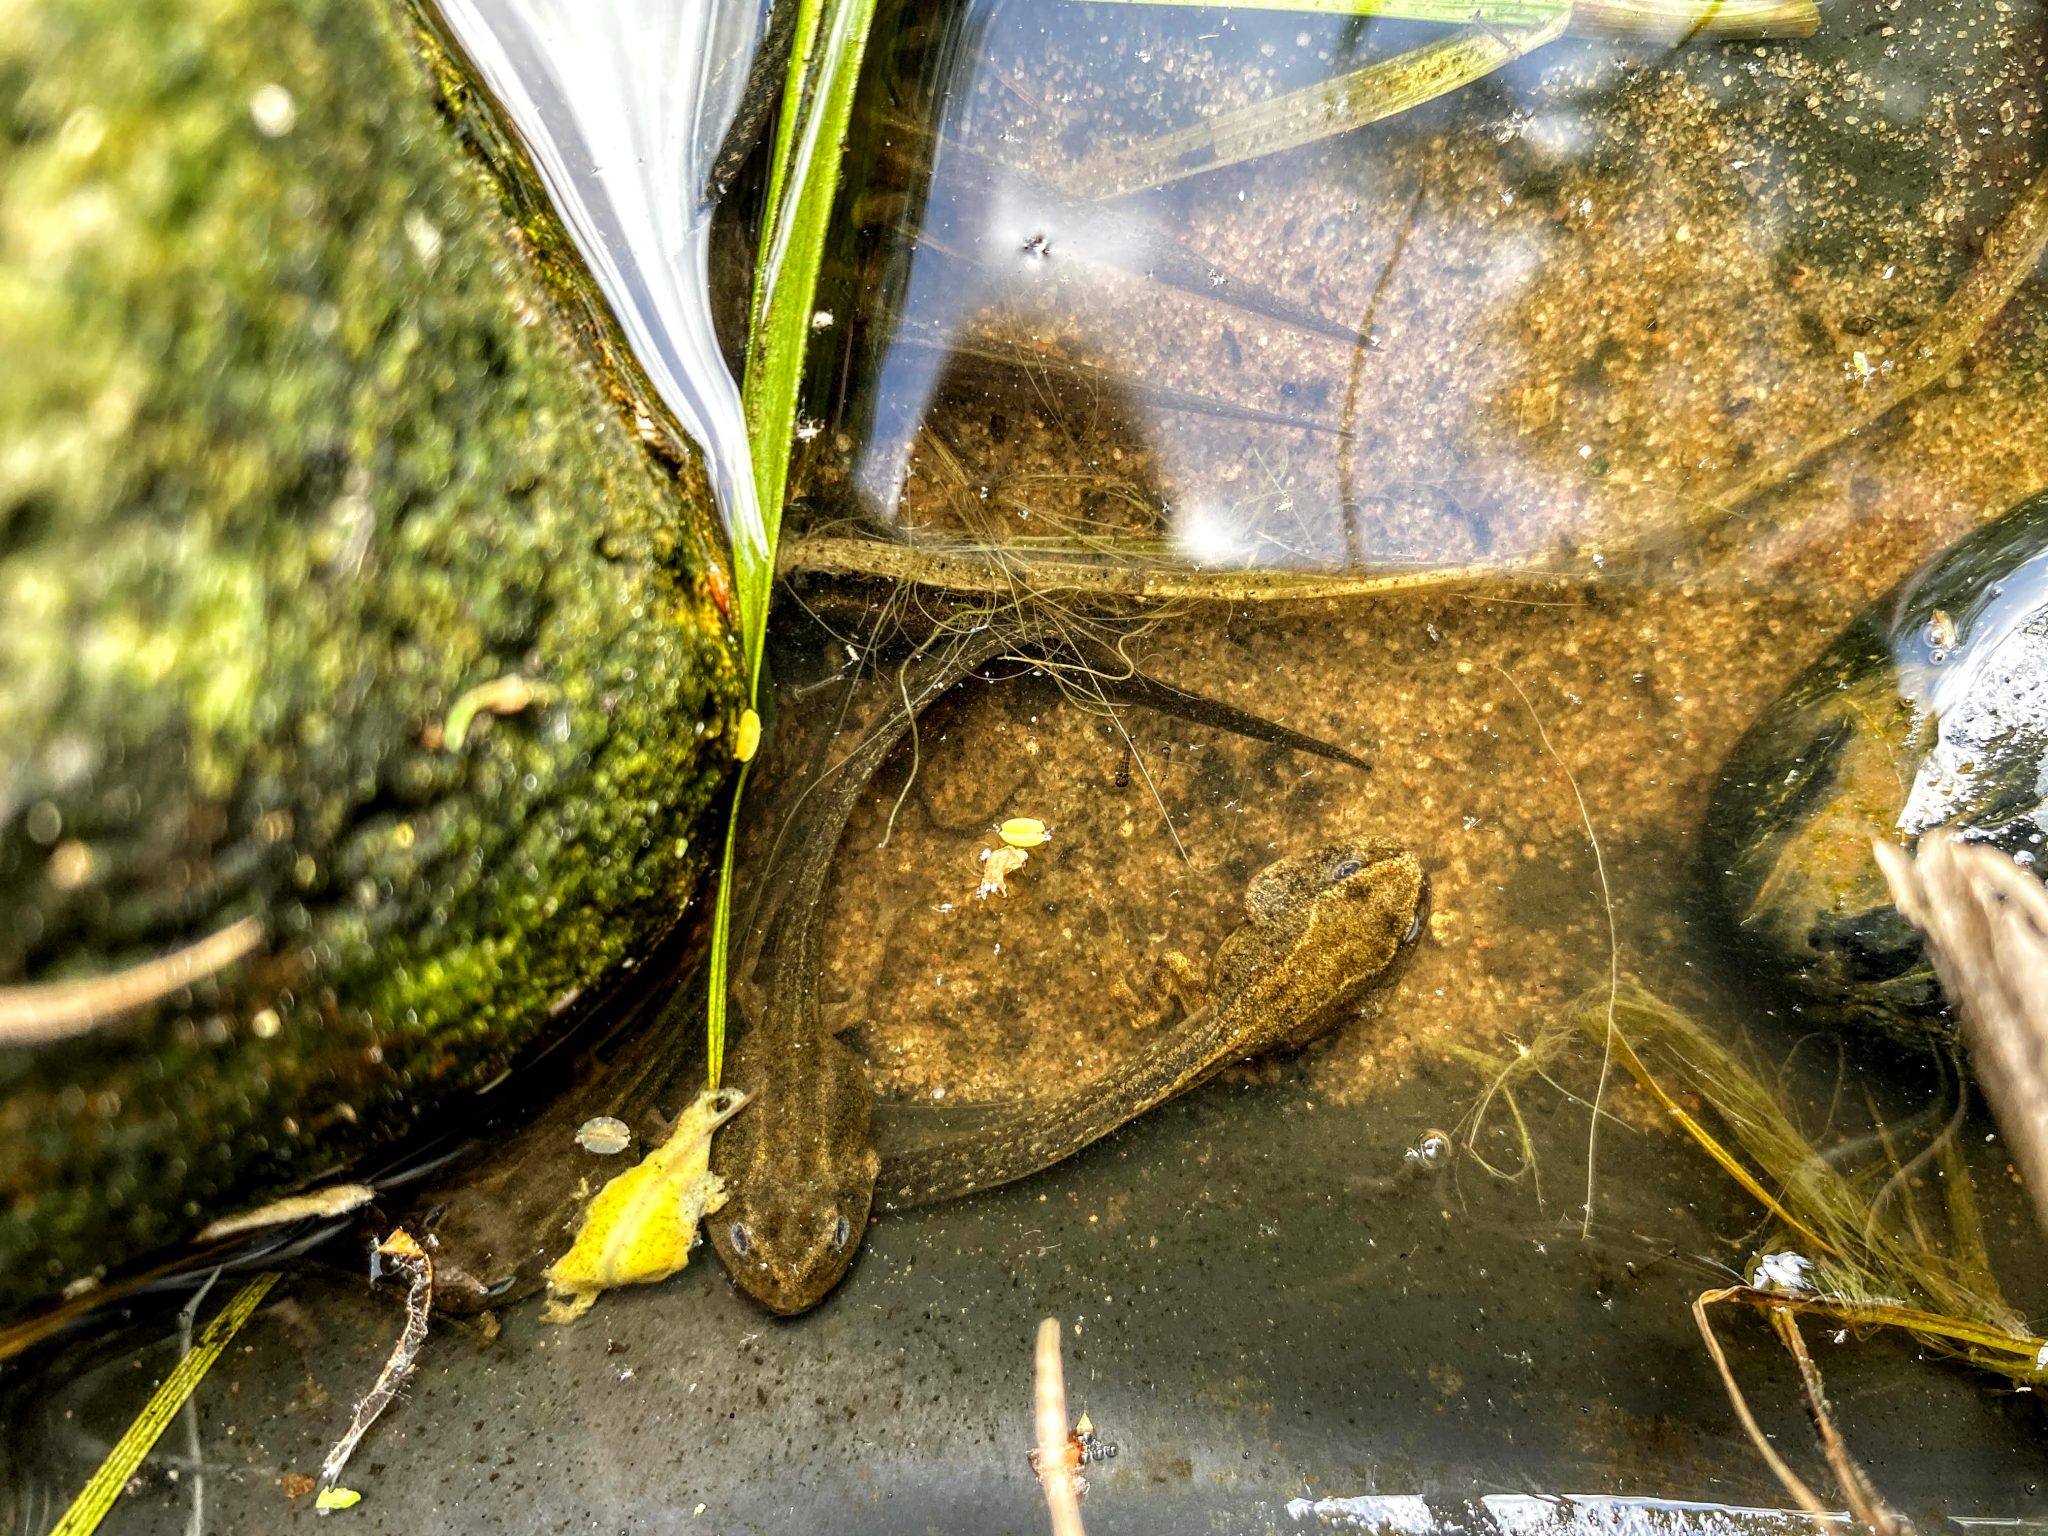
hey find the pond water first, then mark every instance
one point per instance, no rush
(1733, 334)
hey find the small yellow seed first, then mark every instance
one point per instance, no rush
(746, 739)
(1025, 832)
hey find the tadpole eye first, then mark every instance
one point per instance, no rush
(841, 1233)
(740, 1241)
(1344, 869)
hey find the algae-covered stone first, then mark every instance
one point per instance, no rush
(1930, 710)
(302, 465)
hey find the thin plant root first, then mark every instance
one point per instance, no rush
(1613, 949)
(412, 1261)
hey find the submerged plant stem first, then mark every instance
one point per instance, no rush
(1627, 18)
(1864, 1501)
(1009, 569)
(1828, 1520)
(810, 136)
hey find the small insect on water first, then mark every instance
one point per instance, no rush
(719, 586)
(1084, 1447)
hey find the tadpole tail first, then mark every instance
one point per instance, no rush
(1136, 688)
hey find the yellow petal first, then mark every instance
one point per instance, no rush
(1025, 832)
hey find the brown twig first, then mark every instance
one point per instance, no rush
(1055, 1472)
(56, 1010)
(1828, 1520)
(1986, 922)
(1858, 1492)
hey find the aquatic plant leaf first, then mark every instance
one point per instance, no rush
(824, 67)
(98, 1495)
(1351, 100)
(1655, 18)
(810, 137)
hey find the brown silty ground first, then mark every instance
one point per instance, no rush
(1687, 292)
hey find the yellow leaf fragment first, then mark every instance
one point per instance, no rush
(337, 1498)
(746, 737)
(1025, 832)
(641, 1225)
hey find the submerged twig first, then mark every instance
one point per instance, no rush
(1828, 1520)
(411, 1260)
(1861, 1495)
(42, 1012)
(1986, 922)
(1049, 1397)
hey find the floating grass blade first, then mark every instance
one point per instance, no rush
(1632, 18)
(1325, 109)
(829, 40)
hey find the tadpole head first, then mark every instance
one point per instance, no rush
(788, 1251)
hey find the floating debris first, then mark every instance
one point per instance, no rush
(1025, 832)
(997, 865)
(641, 1226)
(604, 1135)
(335, 1200)
(411, 1260)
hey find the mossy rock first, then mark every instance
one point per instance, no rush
(303, 439)
(1930, 710)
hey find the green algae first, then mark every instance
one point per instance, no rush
(309, 429)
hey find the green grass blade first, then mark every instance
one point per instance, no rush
(1678, 19)
(803, 178)
(1330, 107)
(824, 69)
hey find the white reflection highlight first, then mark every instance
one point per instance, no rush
(622, 105)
